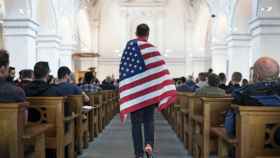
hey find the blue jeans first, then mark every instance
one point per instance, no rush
(145, 116)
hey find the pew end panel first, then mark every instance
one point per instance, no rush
(12, 122)
(207, 114)
(256, 129)
(51, 110)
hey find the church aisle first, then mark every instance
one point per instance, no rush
(116, 141)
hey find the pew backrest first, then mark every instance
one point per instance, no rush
(256, 131)
(50, 110)
(213, 109)
(12, 122)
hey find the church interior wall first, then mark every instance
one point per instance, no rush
(189, 37)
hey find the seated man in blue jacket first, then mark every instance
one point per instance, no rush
(265, 84)
(187, 86)
(265, 74)
(64, 85)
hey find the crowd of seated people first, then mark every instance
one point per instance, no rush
(211, 89)
(262, 90)
(39, 82)
(211, 84)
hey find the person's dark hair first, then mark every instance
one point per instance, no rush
(27, 73)
(183, 79)
(11, 69)
(236, 77)
(4, 58)
(63, 71)
(213, 80)
(210, 71)
(51, 80)
(245, 82)
(41, 70)
(142, 30)
(202, 76)
(222, 77)
(88, 77)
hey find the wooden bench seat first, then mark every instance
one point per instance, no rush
(224, 141)
(255, 133)
(206, 114)
(222, 134)
(82, 129)
(31, 131)
(96, 103)
(35, 135)
(87, 113)
(51, 111)
(16, 135)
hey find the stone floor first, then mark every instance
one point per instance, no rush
(116, 142)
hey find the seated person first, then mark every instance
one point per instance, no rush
(8, 91)
(211, 89)
(26, 77)
(265, 74)
(264, 83)
(108, 84)
(88, 86)
(64, 85)
(187, 86)
(40, 87)
(235, 82)
(223, 81)
(202, 79)
(12, 74)
(245, 82)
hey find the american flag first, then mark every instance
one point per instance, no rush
(144, 78)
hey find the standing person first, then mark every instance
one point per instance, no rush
(144, 83)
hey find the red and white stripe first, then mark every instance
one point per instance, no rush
(150, 87)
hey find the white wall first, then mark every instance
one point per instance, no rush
(168, 33)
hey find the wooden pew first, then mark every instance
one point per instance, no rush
(96, 103)
(182, 111)
(185, 101)
(83, 124)
(205, 115)
(105, 107)
(255, 131)
(186, 123)
(51, 110)
(116, 102)
(15, 134)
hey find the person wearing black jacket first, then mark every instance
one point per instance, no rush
(40, 87)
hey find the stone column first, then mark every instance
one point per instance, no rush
(265, 37)
(219, 57)
(65, 56)
(48, 49)
(20, 40)
(238, 46)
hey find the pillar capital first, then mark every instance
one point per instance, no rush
(238, 40)
(265, 26)
(20, 27)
